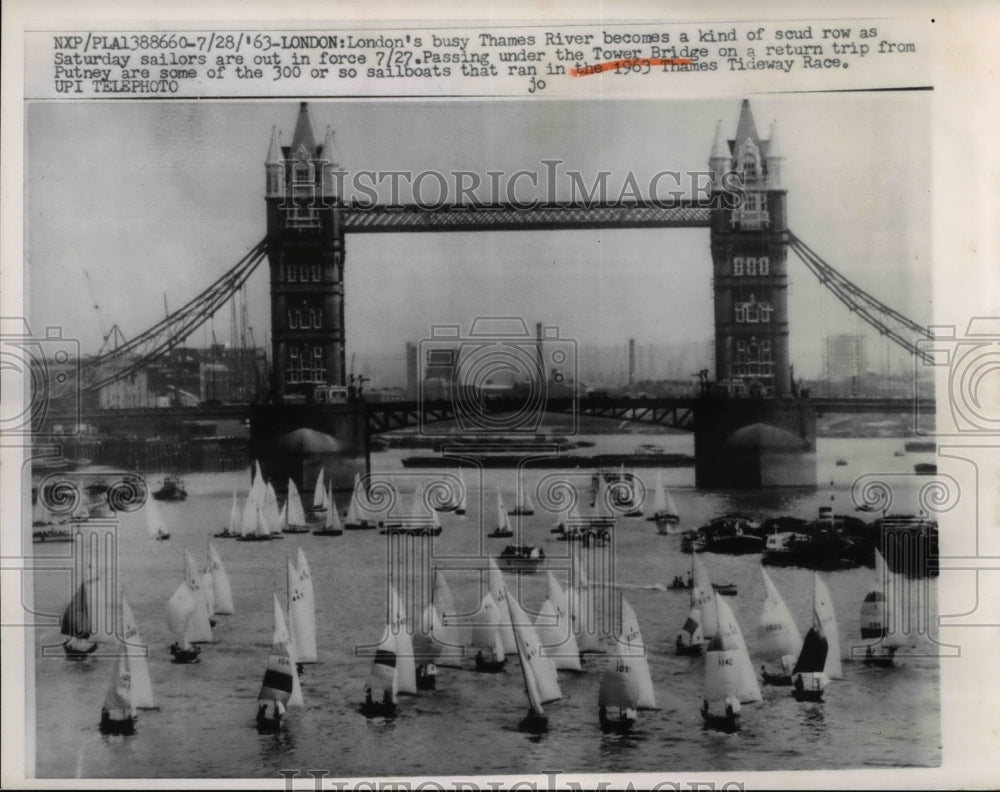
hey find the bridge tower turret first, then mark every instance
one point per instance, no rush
(305, 237)
(749, 250)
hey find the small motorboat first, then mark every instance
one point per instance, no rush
(171, 489)
(182, 655)
(620, 725)
(925, 469)
(270, 724)
(522, 558)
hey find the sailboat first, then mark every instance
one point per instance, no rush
(503, 528)
(331, 523)
(630, 639)
(446, 632)
(826, 618)
(426, 649)
(302, 610)
(118, 713)
(486, 638)
(142, 686)
(200, 627)
(319, 494)
(778, 638)
(522, 503)
(406, 669)
(540, 682)
(294, 513)
(180, 609)
(702, 623)
(261, 531)
(270, 507)
(155, 526)
(877, 614)
(619, 689)
(76, 625)
(665, 513)
(357, 517)
(582, 608)
(810, 678)
(220, 584)
(462, 498)
(381, 685)
(232, 530)
(555, 629)
(279, 677)
(498, 589)
(729, 676)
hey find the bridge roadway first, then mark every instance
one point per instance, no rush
(385, 416)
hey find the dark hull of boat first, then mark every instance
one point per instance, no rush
(693, 650)
(364, 526)
(225, 535)
(779, 680)
(518, 565)
(534, 723)
(296, 529)
(880, 662)
(41, 537)
(498, 534)
(78, 654)
(378, 710)
(808, 695)
(266, 725)
(412, 531)
(617, 725)
(735, 545)
(325, 532)
(162, 537)
(520, 513)
(124, 726)
(723, 723)
(185, 656)
(868, 633)
(255, 538)
(490, 666)
(426, 682)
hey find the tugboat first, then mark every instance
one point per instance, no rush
(172, 489)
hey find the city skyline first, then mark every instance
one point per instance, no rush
(163, 172)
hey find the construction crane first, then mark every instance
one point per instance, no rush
(115, 334)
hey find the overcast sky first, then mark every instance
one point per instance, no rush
(154, 197)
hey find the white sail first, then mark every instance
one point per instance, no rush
(332, 520)
(301, 615)
(283, 518)
(659, 496)
(737, 668)
(220, 583)
(257, 488)
(154, 521)
(199, 629)
(383, 678)
(669, 510)
(319, 490)
(635, 649)
(118, 699)
(406, 669)
(692, 628)
(353, 513)
(271, 507)
(280, 676)
(582, 611)
(296, 514)
(522, 503)
(486, 629)
(427, 646)
(703, 597)
(208, 586)
(619, 683)
(234, 517)
(142, 685)
(777, 634)
(180, 609)
(263, 528)
(539, 671)
(827, 620)
(498, 589)
(449, 634)
(248, 519)
(501, 511)
(556, 634)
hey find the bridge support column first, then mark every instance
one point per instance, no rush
(298, 441)
(749, 443)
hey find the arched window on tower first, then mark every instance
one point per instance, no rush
(748, 161)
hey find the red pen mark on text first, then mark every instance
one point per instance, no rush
(626, 65)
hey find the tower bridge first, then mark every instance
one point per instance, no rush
(305, 247)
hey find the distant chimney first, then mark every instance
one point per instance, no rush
(631, 362)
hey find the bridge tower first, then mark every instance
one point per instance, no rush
(749, 249)
(312, 422)
(305, 241)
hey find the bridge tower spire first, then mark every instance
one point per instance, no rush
(305, 244)
(749, 252)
